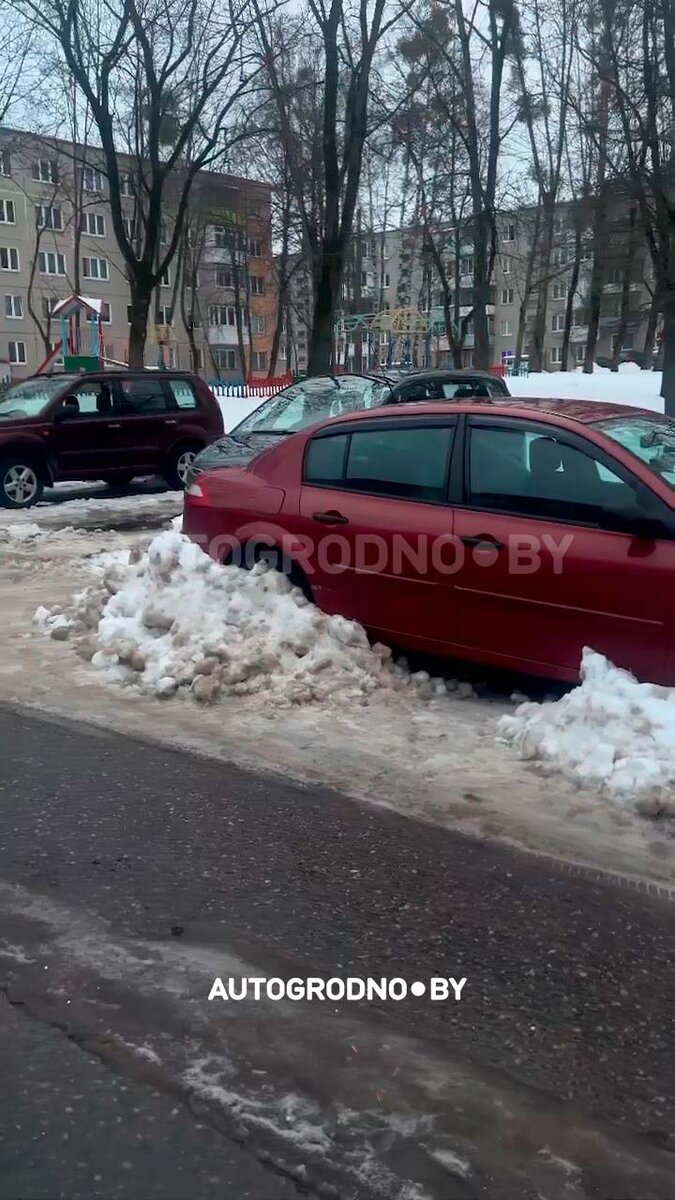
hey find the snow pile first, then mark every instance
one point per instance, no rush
(629, 385)
(21, 532)
(610, 733)
(172, 618)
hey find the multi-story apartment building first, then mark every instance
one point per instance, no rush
(393, 313)
(214, 309)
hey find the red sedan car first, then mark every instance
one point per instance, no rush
(507, 532)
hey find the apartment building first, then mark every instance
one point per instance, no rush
(214, 309)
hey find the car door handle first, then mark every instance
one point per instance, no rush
(330, 518)
(171, 422)
(483, 540)
(115, 426)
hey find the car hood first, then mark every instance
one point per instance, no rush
(234, 450)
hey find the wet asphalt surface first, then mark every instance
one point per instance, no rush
(570, 982)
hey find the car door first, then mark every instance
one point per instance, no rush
(374, 512)
(545, 571)
(83, 435)
(145, 421)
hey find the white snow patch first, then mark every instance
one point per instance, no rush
(175, 619)
(452, 1162)
(629, 386)
(610, 733)
(23, 532)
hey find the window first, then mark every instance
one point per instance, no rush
(223, 278)
(222, 314)
(93, 223)
(183, 393)
(5, 163)
(531, 472)
(257, 324)
(45, 171)
(14, 307)
(561, 256)
(163, 315)
(258, 360)
(507, 295)
(555, 355)
(165, 281)
(48, 305)
(586, 253)
(506, 266)
(9, 258)
(106, 312)
(386, 280)
(129, 228)
(47, 217)
(95, 268)
(163, 234)
(7, 212)
(559, 291)
(126, 186)
(225, 360)
(651, 438)
(557, 322)
(466, 265)
(255, 248)
(219, 237)
(325, 459)
(191, 278)
(411, 463)
(92, 179)
(257, 285)
(17, 352)
(579, 352)
(504, 328)
(509, 234)
(559, 225)
(51, 263)
(142, 396)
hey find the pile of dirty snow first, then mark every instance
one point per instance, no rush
(171, 619)
(610, 733)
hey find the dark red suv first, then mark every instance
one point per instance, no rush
(109, 425)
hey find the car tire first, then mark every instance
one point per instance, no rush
(275, 562)
(179, 463)
(118, 481)
(21, 482)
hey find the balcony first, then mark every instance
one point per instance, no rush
(222, 335)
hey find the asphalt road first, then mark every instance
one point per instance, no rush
(569, 999)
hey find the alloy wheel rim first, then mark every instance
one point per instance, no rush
(21, 484)
(184, 463)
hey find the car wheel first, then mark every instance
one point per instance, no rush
(21, 483)
(276, 562)
(118, 481)
(179, 465)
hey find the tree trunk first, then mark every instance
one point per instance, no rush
(650, 334)
(481, 289)
(539, 325)
(571, 293)
(597, 279)
(138, 325)
(668, 379)
(327, 296)
(624, 310)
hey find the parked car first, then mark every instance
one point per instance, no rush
(304, 403)
(508, 532)
(109, 425)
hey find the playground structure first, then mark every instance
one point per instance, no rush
(75, 315)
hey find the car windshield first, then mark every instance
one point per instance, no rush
(651, 439)
(28, 399)
(305, 403)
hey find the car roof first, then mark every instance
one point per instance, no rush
(113, 373)
(585, 411)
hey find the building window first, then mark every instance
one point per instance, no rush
(93, 223)
(17, 352)
(507, 295)
(259, 360)
(557, 322)
(165, 281)
(5, 163)
(7, 212)
(222, 314)
(256, 285)
(48, 305)
(106, 313)
(555, 355)
(559, 225)
(219, 237)
(225, 360)
(45, 171)
(95, 268)
(509, 234)
(466, 265)
(224, 278)
(92, 179)
(506, 266)
(126, 188)
(559, 291)
(9, 258)
(586, 254)
(386, 281)
(255, 248)
(47, 217)
(504, 328)
(561, 256)
(164, 315)
(257, 324)
(128, 223)
(14, 307)
(51, 263)
(580, 352)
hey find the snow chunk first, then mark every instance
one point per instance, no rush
(173, 619)
(610, 733)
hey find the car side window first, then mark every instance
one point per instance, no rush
(145, 396)
(86, 401)
(325, 460)
(520, 471)
(91, 400)
(183, 393)
(407, 463)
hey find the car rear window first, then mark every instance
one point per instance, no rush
(143, 396)
(408, 463)
(183, 393)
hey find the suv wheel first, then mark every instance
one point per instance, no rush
(179, 464)
(21, 483)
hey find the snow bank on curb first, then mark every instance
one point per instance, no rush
(175, 619)
(611, 733)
